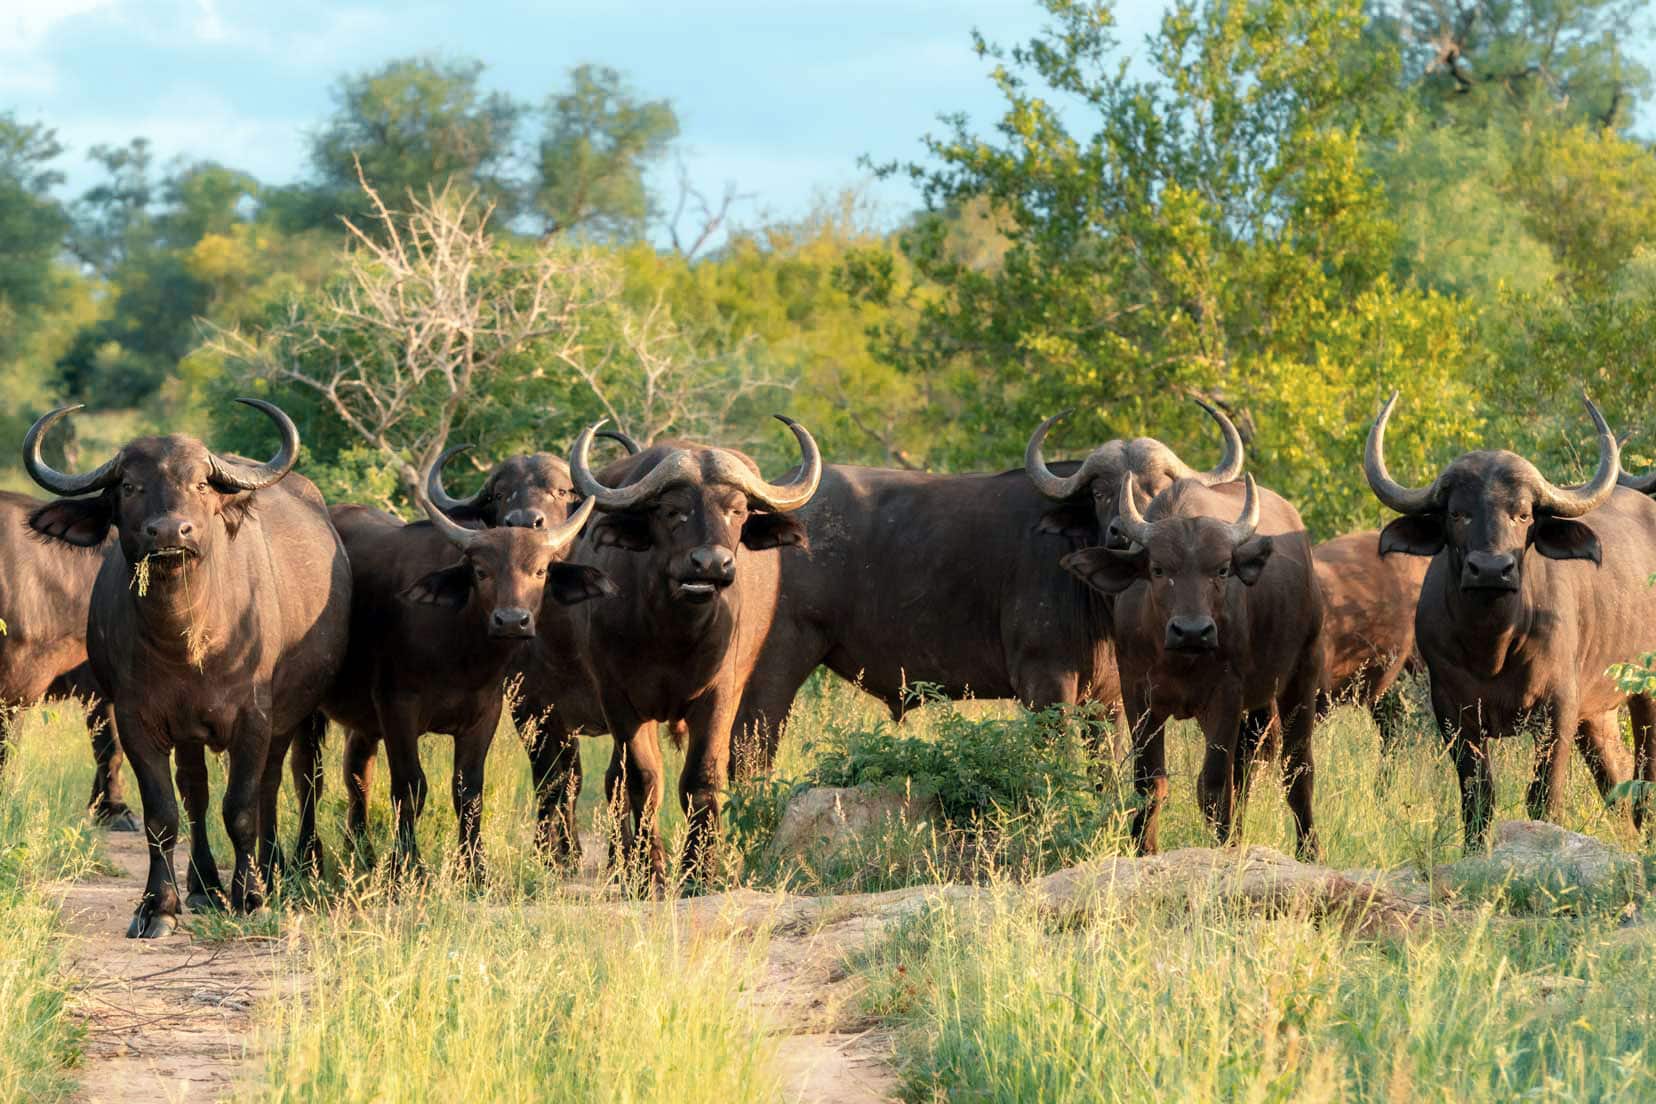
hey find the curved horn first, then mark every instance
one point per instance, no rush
(1570, 502)
(1405, 500)
(434, 484)
(1047, 481)
(251, 477)
(615, 498)
(562, 536)
(456, 534)
(1644, 484)
(1132, 523)
(60, 483)
(1230, 463)
(780, 498)
(621, 439)
(1242, 529)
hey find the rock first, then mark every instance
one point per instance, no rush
(830, 818)
(1538, 867)
(1255, 879)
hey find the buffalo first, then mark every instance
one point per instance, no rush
(1532, 592)
(1368, 623)
(530, 490)
(1214, 618)
(954, 580)
(217, 619)
(45, 589)
(438, 614)
(691, 534)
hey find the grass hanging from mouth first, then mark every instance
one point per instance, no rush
(140, 576)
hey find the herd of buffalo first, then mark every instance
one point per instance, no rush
(198, 601)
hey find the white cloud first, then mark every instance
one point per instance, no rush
(25, 25)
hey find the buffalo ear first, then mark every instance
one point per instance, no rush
(761, 531)
(1413, 535)
(1563, 539)
(82, 522)
(628, 531)
(450, 588)
(1071, 519)
(1248, 560)
(570, 584)
(1107, 570)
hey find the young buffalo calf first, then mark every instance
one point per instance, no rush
(431, 639)
(1213, 618)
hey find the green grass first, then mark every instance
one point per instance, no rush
(436, 997)
(44, 836)
(524, 988)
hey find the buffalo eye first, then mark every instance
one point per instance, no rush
(1223, 572)
(201, 488)
(540, 572)
(1157, 572)
(1459, 518)
(481, 573)
(129, 488)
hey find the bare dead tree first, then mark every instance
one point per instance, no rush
(427, 312)
(654, 378)
(712, 217)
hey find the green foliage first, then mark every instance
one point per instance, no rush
(598, 143)
(411, 126)
(1217, 231)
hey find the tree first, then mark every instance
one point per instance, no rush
(1218, 232)
(599, 141)
(413, 125)
(32, 224)
(1482, 55)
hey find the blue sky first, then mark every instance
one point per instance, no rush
(779, 97)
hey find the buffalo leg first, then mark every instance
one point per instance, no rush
(307, 787)
(1297, 716)
(408, 783)
(1221, 724)
(638, 769)
(205, 889)
(1472, 771)
(360, 750)
(471, 753)
(1257, 728)
(1642, 709)
(555, 766)
(108, 804)
(702, 782)
(157, 912)
(271, 859)
(1149, 775)
(1599, 739)
(250, 748)
(1545, 798)
(790, 653)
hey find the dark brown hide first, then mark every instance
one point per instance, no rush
(530, 490)
(433, 631)
(1212, 625)
(1523, 609)
(45, 590)
(226, 641)
(694, 539)
(1368, 618)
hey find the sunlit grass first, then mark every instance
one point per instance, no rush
(44, 836)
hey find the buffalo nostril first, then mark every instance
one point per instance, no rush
(185, 528)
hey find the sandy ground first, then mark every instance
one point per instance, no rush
(166, 1019)
(174, 1019)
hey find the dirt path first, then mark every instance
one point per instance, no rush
(828, 1053)
(167, 1019)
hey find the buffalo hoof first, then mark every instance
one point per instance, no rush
(154, 925)
(203, 901)
(116, 818)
